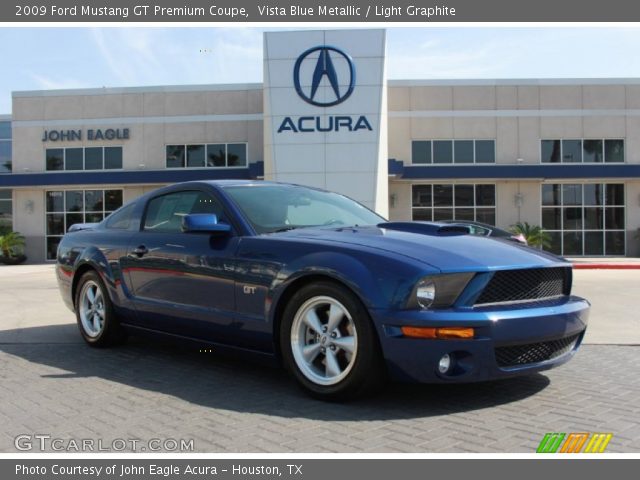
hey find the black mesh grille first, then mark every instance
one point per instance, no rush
(526, 284)
(534, 352)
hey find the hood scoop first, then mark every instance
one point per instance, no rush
(427, 228)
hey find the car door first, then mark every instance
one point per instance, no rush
(183, 283)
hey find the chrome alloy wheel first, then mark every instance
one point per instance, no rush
(92, 309)
(324, 340)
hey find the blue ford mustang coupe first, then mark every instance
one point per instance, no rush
(340, 296)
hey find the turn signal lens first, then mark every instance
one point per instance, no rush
(438, 333)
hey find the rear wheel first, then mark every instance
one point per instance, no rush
(94, 312)
(329, 344)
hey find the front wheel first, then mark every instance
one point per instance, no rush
(329, 344)
(97, 322)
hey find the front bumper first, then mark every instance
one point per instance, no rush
(528, 338)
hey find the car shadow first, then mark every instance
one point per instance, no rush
(217, 381)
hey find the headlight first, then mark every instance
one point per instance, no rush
(425, 292)
(438, 291)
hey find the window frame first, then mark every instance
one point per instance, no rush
(453, 206)
(583, 206)
(453, 151)
(206, 155)
(582, 140)
(84, 160)
(64, 212)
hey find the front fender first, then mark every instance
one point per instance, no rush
(377, 281)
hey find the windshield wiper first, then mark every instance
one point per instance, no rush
(285, 229)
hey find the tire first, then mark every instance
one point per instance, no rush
(95, 315)
(329, 344)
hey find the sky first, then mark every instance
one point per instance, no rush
(58, 58)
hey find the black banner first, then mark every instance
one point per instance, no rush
(316, 469)
(302, 11)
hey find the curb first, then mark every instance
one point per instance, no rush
(606, 266)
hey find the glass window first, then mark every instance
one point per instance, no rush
(486, 195)
(175, 156)
(615, 193)
(551, 219)
(572, 194)
(551, 194)
(593, 194)
(454, 202)
(6, 211)
(420, 151)
(216, 155)
(195, 155)
(271, 208)
(582, 219)
(442, 151)
(121, 220)
(551, 151)
(421, 196)
(112, 200)
(237, 155)
(112, 158)
(55, 201)
(74, 159)
(572, 151)
(592, 151)
(65, 208)
(464, 196)
(442, 195)
(593, 243)
(614, 243)
(74, 201)
(5, 156)
(463, 150)
(423, 214)
(586, 150)
(55, 159)
(93, 200)
(5, 130)
(93, 158)
(165, 213)
(614, 151)
(485, 151)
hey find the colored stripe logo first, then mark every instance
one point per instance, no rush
(574, 442)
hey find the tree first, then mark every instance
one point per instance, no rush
(534, 234)
(10, 244)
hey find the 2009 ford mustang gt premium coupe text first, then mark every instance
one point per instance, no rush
(343, 298)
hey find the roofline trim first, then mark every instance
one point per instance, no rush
(222, 87)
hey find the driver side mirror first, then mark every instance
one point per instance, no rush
(204, 223)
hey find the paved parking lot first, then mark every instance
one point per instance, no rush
(52, 384)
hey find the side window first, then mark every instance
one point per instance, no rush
(121, 219)
(164, 214)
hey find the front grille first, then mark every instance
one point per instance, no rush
(534, 352)
(526, 284)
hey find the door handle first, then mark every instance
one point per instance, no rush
(140, 251)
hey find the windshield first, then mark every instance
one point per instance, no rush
(275, 208)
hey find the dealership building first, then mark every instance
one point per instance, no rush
(564, 154)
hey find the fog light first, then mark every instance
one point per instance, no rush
(445, 363)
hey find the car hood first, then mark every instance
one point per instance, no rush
(447, 252)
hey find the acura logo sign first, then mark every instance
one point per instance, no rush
(325, 61)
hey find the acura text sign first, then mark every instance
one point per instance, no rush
(325, 112)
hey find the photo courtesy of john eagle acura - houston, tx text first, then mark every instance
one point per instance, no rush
(341, 296)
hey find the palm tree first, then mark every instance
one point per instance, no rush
(10, 243)
(534, 234)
